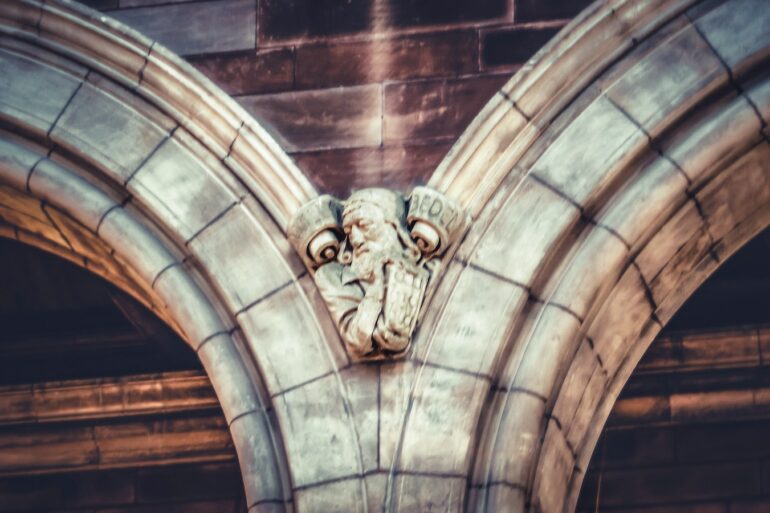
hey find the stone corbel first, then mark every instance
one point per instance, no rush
(375, 259)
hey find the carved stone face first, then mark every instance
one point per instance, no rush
(372, 238)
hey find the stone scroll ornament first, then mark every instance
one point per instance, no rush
(374, 258)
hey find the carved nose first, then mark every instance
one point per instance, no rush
(355, 236)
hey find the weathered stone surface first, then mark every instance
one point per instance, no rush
(474, 311)
(534, 10)
(232, 383)
(514, 451)
(362, 388)
(200, 27)
(227, 247)
(256, 448)
(516, 250)
(401, 58)
(739, 32)
(249, 72)
(396, 382)
(184, 191)
(600, 138)
(286, 341)
(668, 80)
(337, 497)
(328, 118)
(33, 92)
(107, 129)
(444, 409)
(555, 470)
(647, 199)
(319, 435)
(420, 493)
(307, 19)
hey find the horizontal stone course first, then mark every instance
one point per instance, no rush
(200, 27)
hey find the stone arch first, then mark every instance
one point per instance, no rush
(117, 155)
(607, 180)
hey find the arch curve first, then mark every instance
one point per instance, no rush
(117, 155)
(607, 180)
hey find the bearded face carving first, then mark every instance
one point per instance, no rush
(373, 258)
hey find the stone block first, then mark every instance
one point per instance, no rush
(620, 322)
(249, 72)
(583, 367)
(232, 383)
(430, 55)
(532, 365)
(184, 191)
(241, 255)
(738, 31)
(510, 46)
(256, 447)
(536, 10)
(720, 136)
(117, 133)
(396, 382)
(554, 472)
(414, 493)
(586, 274)
(33, 92)
(584, 158)
(51, 182)
(318, 433)
(337, 497)
(303, 19)
(362, 388)
(728, 200)
(200, 27)
(646, 201)
(397, 166)
(282, 334)
(513, 452)
(16, 161)
(668, 80)
(685, 224)
(515, 249)
(444, 414)
(471, 332)
(435, 109)
(188, 305)
(719, 404)
(321, 119)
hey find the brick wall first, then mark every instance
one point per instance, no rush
(360, 93)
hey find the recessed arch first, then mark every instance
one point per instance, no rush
(117, 155)
(607, 181)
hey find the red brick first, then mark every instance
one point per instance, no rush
(540, 10)
(400, 167)
(343, 117)
(300, 19)
(249, 72)
(435, 109)
(445, 54)
(510, 46)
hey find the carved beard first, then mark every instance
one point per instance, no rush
(365, 264)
